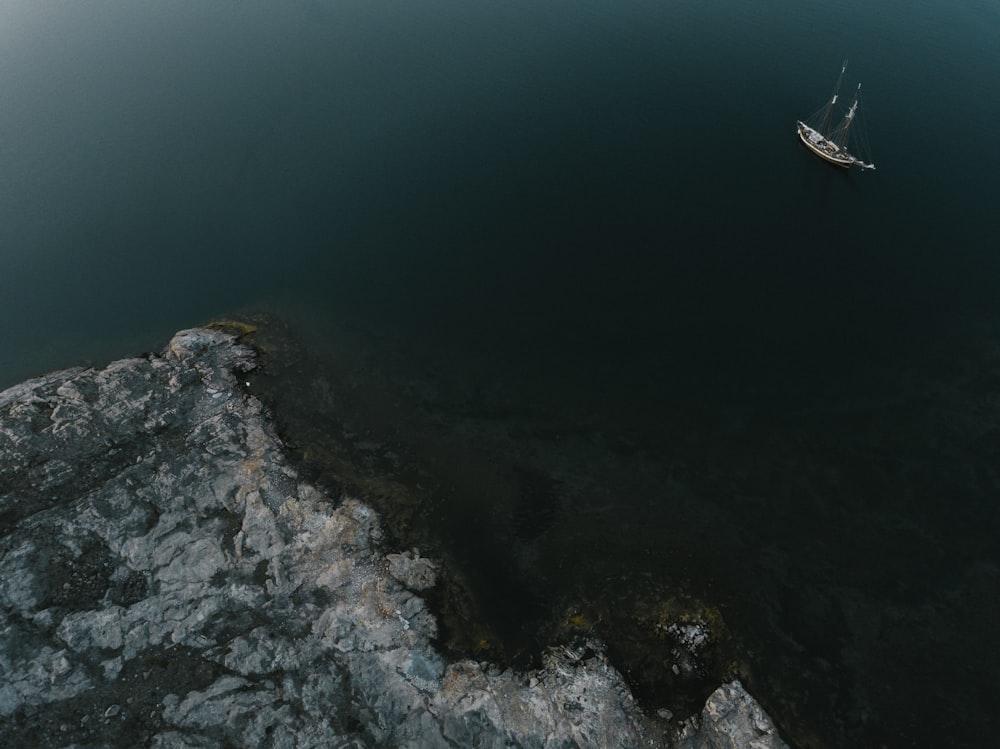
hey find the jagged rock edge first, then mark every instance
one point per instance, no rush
(310, 635)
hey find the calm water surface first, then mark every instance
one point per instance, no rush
(581, 240)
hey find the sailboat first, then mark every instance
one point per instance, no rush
(831, 143)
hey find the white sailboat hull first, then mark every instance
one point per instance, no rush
(827, 149)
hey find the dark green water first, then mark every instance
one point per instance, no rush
(581, 241)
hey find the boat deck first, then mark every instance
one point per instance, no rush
(826, 149)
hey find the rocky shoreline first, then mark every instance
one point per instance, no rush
(167, 579)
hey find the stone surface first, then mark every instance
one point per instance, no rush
(167, 580)
(731, 720)
(412, 570)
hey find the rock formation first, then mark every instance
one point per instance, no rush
(167, 580)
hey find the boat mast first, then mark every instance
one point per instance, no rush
(849, 118)
(829, 107)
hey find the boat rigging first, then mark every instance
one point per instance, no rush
(830, 143)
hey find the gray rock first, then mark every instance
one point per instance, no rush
(412, 570)
(731, 720)
(167, 580)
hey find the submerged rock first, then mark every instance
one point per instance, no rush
(167, 580)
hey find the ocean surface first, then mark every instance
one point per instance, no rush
(646, 343)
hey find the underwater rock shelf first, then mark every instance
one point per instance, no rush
(167, 580)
